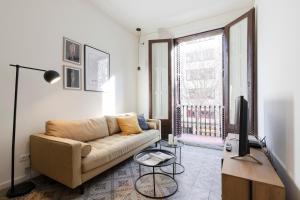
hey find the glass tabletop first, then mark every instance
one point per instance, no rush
(166, 144)
(147, 151)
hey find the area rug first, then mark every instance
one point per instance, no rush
(200, 181)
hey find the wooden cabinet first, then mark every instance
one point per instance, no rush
(243, 179)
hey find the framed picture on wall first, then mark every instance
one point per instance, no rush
(96, 69)
(72, 78)
(72, 51)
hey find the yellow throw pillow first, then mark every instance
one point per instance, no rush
(129, 125)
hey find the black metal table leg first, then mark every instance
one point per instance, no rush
(154, 183)
(174, 170)
(179, 155)
(179, 168)
(156, 196)
(176, 159)
(140, 171)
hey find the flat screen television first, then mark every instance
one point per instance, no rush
(241, 125)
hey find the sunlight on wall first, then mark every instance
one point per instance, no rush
(109, 96)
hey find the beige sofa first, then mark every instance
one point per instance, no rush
(95, 146)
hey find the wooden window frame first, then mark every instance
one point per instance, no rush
(251, 73)
(166, 124)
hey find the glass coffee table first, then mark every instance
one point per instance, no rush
(153, 184)
(179, 168)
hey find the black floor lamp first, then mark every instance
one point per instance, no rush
(24, 188)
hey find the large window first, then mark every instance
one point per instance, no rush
(200, 61)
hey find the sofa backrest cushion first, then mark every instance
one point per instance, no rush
(112, 123)
(113, 126)
(80, 130)
(152, 125)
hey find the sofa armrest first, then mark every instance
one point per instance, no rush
(158, 125)
(57, 158)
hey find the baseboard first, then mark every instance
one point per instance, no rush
(20, 179)
(291, 189)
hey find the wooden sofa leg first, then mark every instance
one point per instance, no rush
(81, 189)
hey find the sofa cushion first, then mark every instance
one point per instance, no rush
(85, 149)
(113, 126)
(109, 148)
(129, 125)
(80, 130)
(152, 125)
(142, 122)
(112, 123)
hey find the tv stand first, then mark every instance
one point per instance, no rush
(252, 158)
(242, 180)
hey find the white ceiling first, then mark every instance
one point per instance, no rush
(151, 15)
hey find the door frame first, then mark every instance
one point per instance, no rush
(164, 123)
(251, 73)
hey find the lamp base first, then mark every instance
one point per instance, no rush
(20, 189)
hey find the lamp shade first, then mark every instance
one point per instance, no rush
(51, 76)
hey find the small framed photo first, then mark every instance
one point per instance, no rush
(96, 69)
(72, 78)
(72, 51)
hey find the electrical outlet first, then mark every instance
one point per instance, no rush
(24, 157)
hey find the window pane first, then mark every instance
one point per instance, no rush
(160, 80)
(201, 66)
(238, 65)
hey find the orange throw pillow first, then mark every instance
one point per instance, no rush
(129, 125)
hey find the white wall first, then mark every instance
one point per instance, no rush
(31, 34)
(175, 32)
(278, 47)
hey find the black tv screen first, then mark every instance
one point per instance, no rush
(241, 126)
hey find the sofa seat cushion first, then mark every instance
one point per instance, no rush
(109, 148)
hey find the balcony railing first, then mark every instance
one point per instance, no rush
(205, 120)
